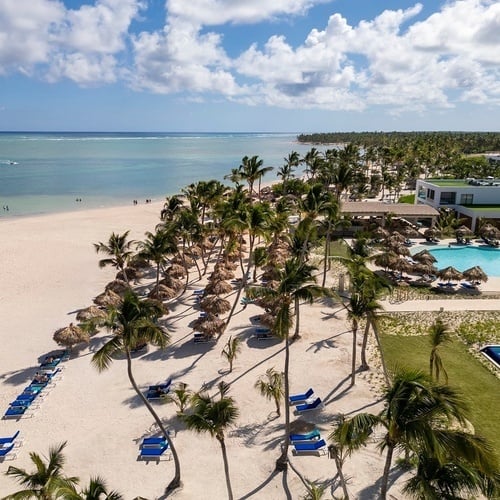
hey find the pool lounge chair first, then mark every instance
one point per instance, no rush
(153, 442)
(164, 385)
(263, 333)
(314, 405)
(312, 448)
(305, 438)
(301, 398)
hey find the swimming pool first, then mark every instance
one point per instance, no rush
(463, 258)
(492, 352)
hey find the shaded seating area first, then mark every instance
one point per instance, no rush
(262, 333)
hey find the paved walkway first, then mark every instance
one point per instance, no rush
(446, 304)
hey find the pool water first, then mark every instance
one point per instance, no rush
(462, 258)
(492, 352)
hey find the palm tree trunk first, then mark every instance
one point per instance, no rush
(354, 345)
(296, 335)
(282, 462)
(338, 463)
(325, 258)
(176, 481)
(364, 364)
(385, 476)
(226, 467)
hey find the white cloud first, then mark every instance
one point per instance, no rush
(391, 60)
(217, 12)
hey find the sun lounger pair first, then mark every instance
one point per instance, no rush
(311, 448)
(9, 439)
(17, 412)
(468, 286)
(305, 438)
(157, 391)
(301, 398)
(202, 338)
(152, 451)
(314, 405)
(263, 333)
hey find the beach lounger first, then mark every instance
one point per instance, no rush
(305, 438)
(6, 452)
(202, 338)
(164, 385)
(300, 398)
(17, 412)
(314, 405)
(153, 442)
(9, 439)
(152, 453)
(263, 335)
(468, 286)
(312, 448)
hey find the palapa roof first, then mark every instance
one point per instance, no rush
(379, 208)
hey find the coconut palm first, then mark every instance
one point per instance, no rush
(47, 481)
(270, 386)
(251, 170)
(96, 490)
(231, 350)
(134, 322)
(415, 417)
(438, 335)
(180, 396)
(156, 247)
(119, 251)
(214, 416)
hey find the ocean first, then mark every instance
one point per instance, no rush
(44, 173)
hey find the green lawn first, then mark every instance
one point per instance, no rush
(479, 386)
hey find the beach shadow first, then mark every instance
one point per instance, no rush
(330, 398)
(373, 490)
(364, 407)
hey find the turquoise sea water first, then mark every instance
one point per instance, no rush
(47, 172)
(463, 258)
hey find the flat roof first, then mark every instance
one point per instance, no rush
(379, 208)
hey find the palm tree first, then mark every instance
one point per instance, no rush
(270, 386)
(251, 170)
(214, 416)
(438, 335)
(231, 350)
(296, 283)
(415, 417)
(134, 322)
(96, 490)
(156, 247)
(48, 481)
(180, 396)
(119, 251)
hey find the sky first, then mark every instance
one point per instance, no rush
(249, 65)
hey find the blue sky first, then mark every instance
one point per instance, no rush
(249, 65)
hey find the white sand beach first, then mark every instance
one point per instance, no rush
(50, 271)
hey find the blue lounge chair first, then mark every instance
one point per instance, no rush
(314, 447)
(164, 385)
(154, 442)
(309, 437)
(150, 453)
(7, 452)
(300, 398)
(309, 406)
(9, 439)
(16, 412)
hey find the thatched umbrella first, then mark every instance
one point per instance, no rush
(463, 231)
(380, 233)
(396, 236)
(402, 265)
(91, 312)
(409, 232)
(425, 257)
(185, 260)
(215, 305)
(218, 288)
(221, 274)
(211, 326)
(301, 427)
(431, 233)
(176, 271)
(108, 298)
(163, 292)
(230, 265)
(475, 274)
(450, 273)
(399, 248)
(172, 282)
(118, 286)
(70, 335)
(131, 272)
(423, 268)
(194, 251)
(386, 259)
(268, 319)
(138, 263)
